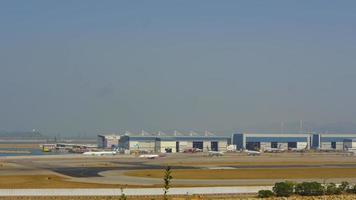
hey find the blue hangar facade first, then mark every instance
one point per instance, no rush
(287, 141)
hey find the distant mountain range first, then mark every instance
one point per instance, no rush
(21, 135)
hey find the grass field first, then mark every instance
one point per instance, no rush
(49, 181)
(283, 173)
(260, 163)
(195, 197)
(20, 145)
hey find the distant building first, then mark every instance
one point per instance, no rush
(205, 143)
(139, 143)
(332, 141)
(108, 141)
(173, 144)
(349, 144)
(250, 141)
(261, 141)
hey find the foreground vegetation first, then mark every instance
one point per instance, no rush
(287, 189)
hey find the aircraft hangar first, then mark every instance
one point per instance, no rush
(333, 141)
(262, 141)
(173, 144)
(245, 140)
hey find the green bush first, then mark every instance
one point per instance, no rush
(265, 193)
(283, 189)
(331, 188)
(344, 186)
(309, 189)
(351, 189)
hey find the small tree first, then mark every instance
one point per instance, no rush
(283, 189)
(352, 189)
(265, 193)
(344, 186)
(331, 189)
(309, 189)
(122, 196)
(167, 181)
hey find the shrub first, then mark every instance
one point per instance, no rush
(283, 189)
(265, 193)
(331, 188)
(351, 189)
(309, 189)
(344, 186)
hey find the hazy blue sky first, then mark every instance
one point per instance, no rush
(75, 67)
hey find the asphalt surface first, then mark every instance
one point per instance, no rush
(118, 177)
(95, 171)
(110, 169)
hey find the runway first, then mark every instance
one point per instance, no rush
(133, 191)
(116, 169)
(119, 177)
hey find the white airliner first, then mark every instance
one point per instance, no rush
(273, 150)
(100, 153)
(149, 156)
(216, 153)
(252, 153)
(351, 151)
(299, 150)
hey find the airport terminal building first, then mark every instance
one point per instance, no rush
(108, 141)
(261, 141)
(173, 144)
(298, 141)
(246, 140)
(334, 141)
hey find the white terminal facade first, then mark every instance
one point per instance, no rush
(173, 144)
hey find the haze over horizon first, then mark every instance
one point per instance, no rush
(75, 67)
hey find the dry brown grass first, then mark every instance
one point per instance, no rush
(283, 173)
(46, 181)
(195, 197)
(20, 145)
(259, 163)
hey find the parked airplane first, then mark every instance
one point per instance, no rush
(252, 153)
(216, 153)
(100, 153)
(273, 150)
(299, 150)
(350, 151)
(192, 150)
(149, 156)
